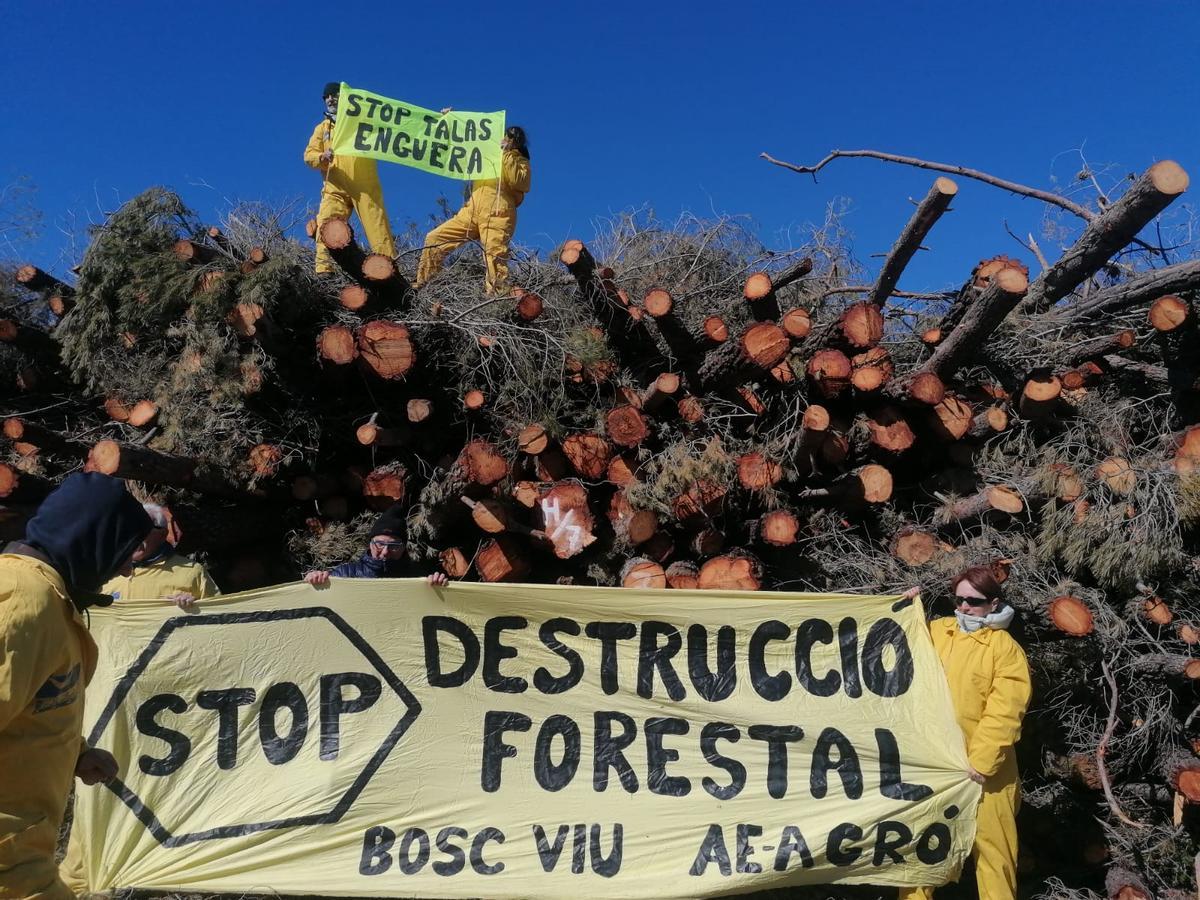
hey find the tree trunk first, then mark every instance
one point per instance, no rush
(589, 454)
(338, 238)
(755, 352)
(1108, 233)
(936, 202)
(502, 559)
(761, 290)
(386, 349)
(22, 430)
(736, 571)
(626, 426)
(1141, 288)
(34, 279)
(336, 344)
(1071, 616)
(642, 573)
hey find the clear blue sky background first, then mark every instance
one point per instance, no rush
(628, 104)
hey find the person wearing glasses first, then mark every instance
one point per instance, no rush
(385, 556)
(990, 686)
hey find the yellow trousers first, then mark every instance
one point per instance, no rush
(493, 228)
(995, 850)
(368, 204)
(70, 870)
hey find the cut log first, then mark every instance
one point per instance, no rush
(338, 238)
(454, 563)
(336, 344)
(951, 419)
(931, 337)
(625, 426)
(981, 275)
(386, 349)
(625, 333)
(389, 288)
(870, 484)
(264, 460)
(502, 559)
(355, 298)
(1108, 233)
(490, 515)
(22, 487)
(920, 388)
(1156, 610)
(683, 575)
(533, 440)
(699, 502)
(32, 278)
(691, 409)
(1117, 475)
(779, 528)
(371, 434)
(1142, 288)
(1122, 884)
(730, 572)
(662, 392)
(529, 305)
(1095, 348)
(621, 471)
(1182, 771)
(61, 302)
(116, 409)
(761, 289)
(985, 313)
(796, 323)
(481, 463)
(142, 413)
(192, 252)
(936, 202)
(417, 410)
(1186, 458)
(20, 430)
(707, 542)
(997, 497)
(640, 572)
(1166, 665)
(871, 370)
(830, 372)
(991, 421)
(589, 454)
(244, 318)
(758, 348)
(474, 400)
(889, 430)
(861, 325)
(1071, 616)
(564, 516)
(715, 330)
(914, 547)
(757, 472)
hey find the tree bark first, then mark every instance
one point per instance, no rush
(936, 202)
(1109, 232)
(761, 289)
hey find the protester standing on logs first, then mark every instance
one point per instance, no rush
(83, 533)
(385, 556)
(490, 215)
(351, 184)
(990, 687)
(160, 572)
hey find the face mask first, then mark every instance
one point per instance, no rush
(999, 620)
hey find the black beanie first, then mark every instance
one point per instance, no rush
(392, 522)
(332, 89)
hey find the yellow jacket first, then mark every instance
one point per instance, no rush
(171, 574)
(514, 182)
(350, 175)
(46, 659)
(990, 685)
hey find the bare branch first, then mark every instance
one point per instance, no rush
(1102, 748)
(1024, 190)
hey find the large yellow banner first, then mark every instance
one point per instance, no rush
(386, 738)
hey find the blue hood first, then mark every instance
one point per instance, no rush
(88, 527)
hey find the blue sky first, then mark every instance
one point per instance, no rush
(658, 105)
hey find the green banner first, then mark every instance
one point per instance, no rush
(462, 145)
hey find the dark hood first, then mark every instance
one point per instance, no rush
(88, 528)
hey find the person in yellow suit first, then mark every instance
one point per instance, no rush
(82, 534)
(990, 685)
(351, 183)
(160, 572)
(490, 215)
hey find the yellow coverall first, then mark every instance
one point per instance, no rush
(489, 216)
(46, 659)
(990, 686)
(351, 183)
(174, 573)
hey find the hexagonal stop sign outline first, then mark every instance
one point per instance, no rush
(146, 815)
